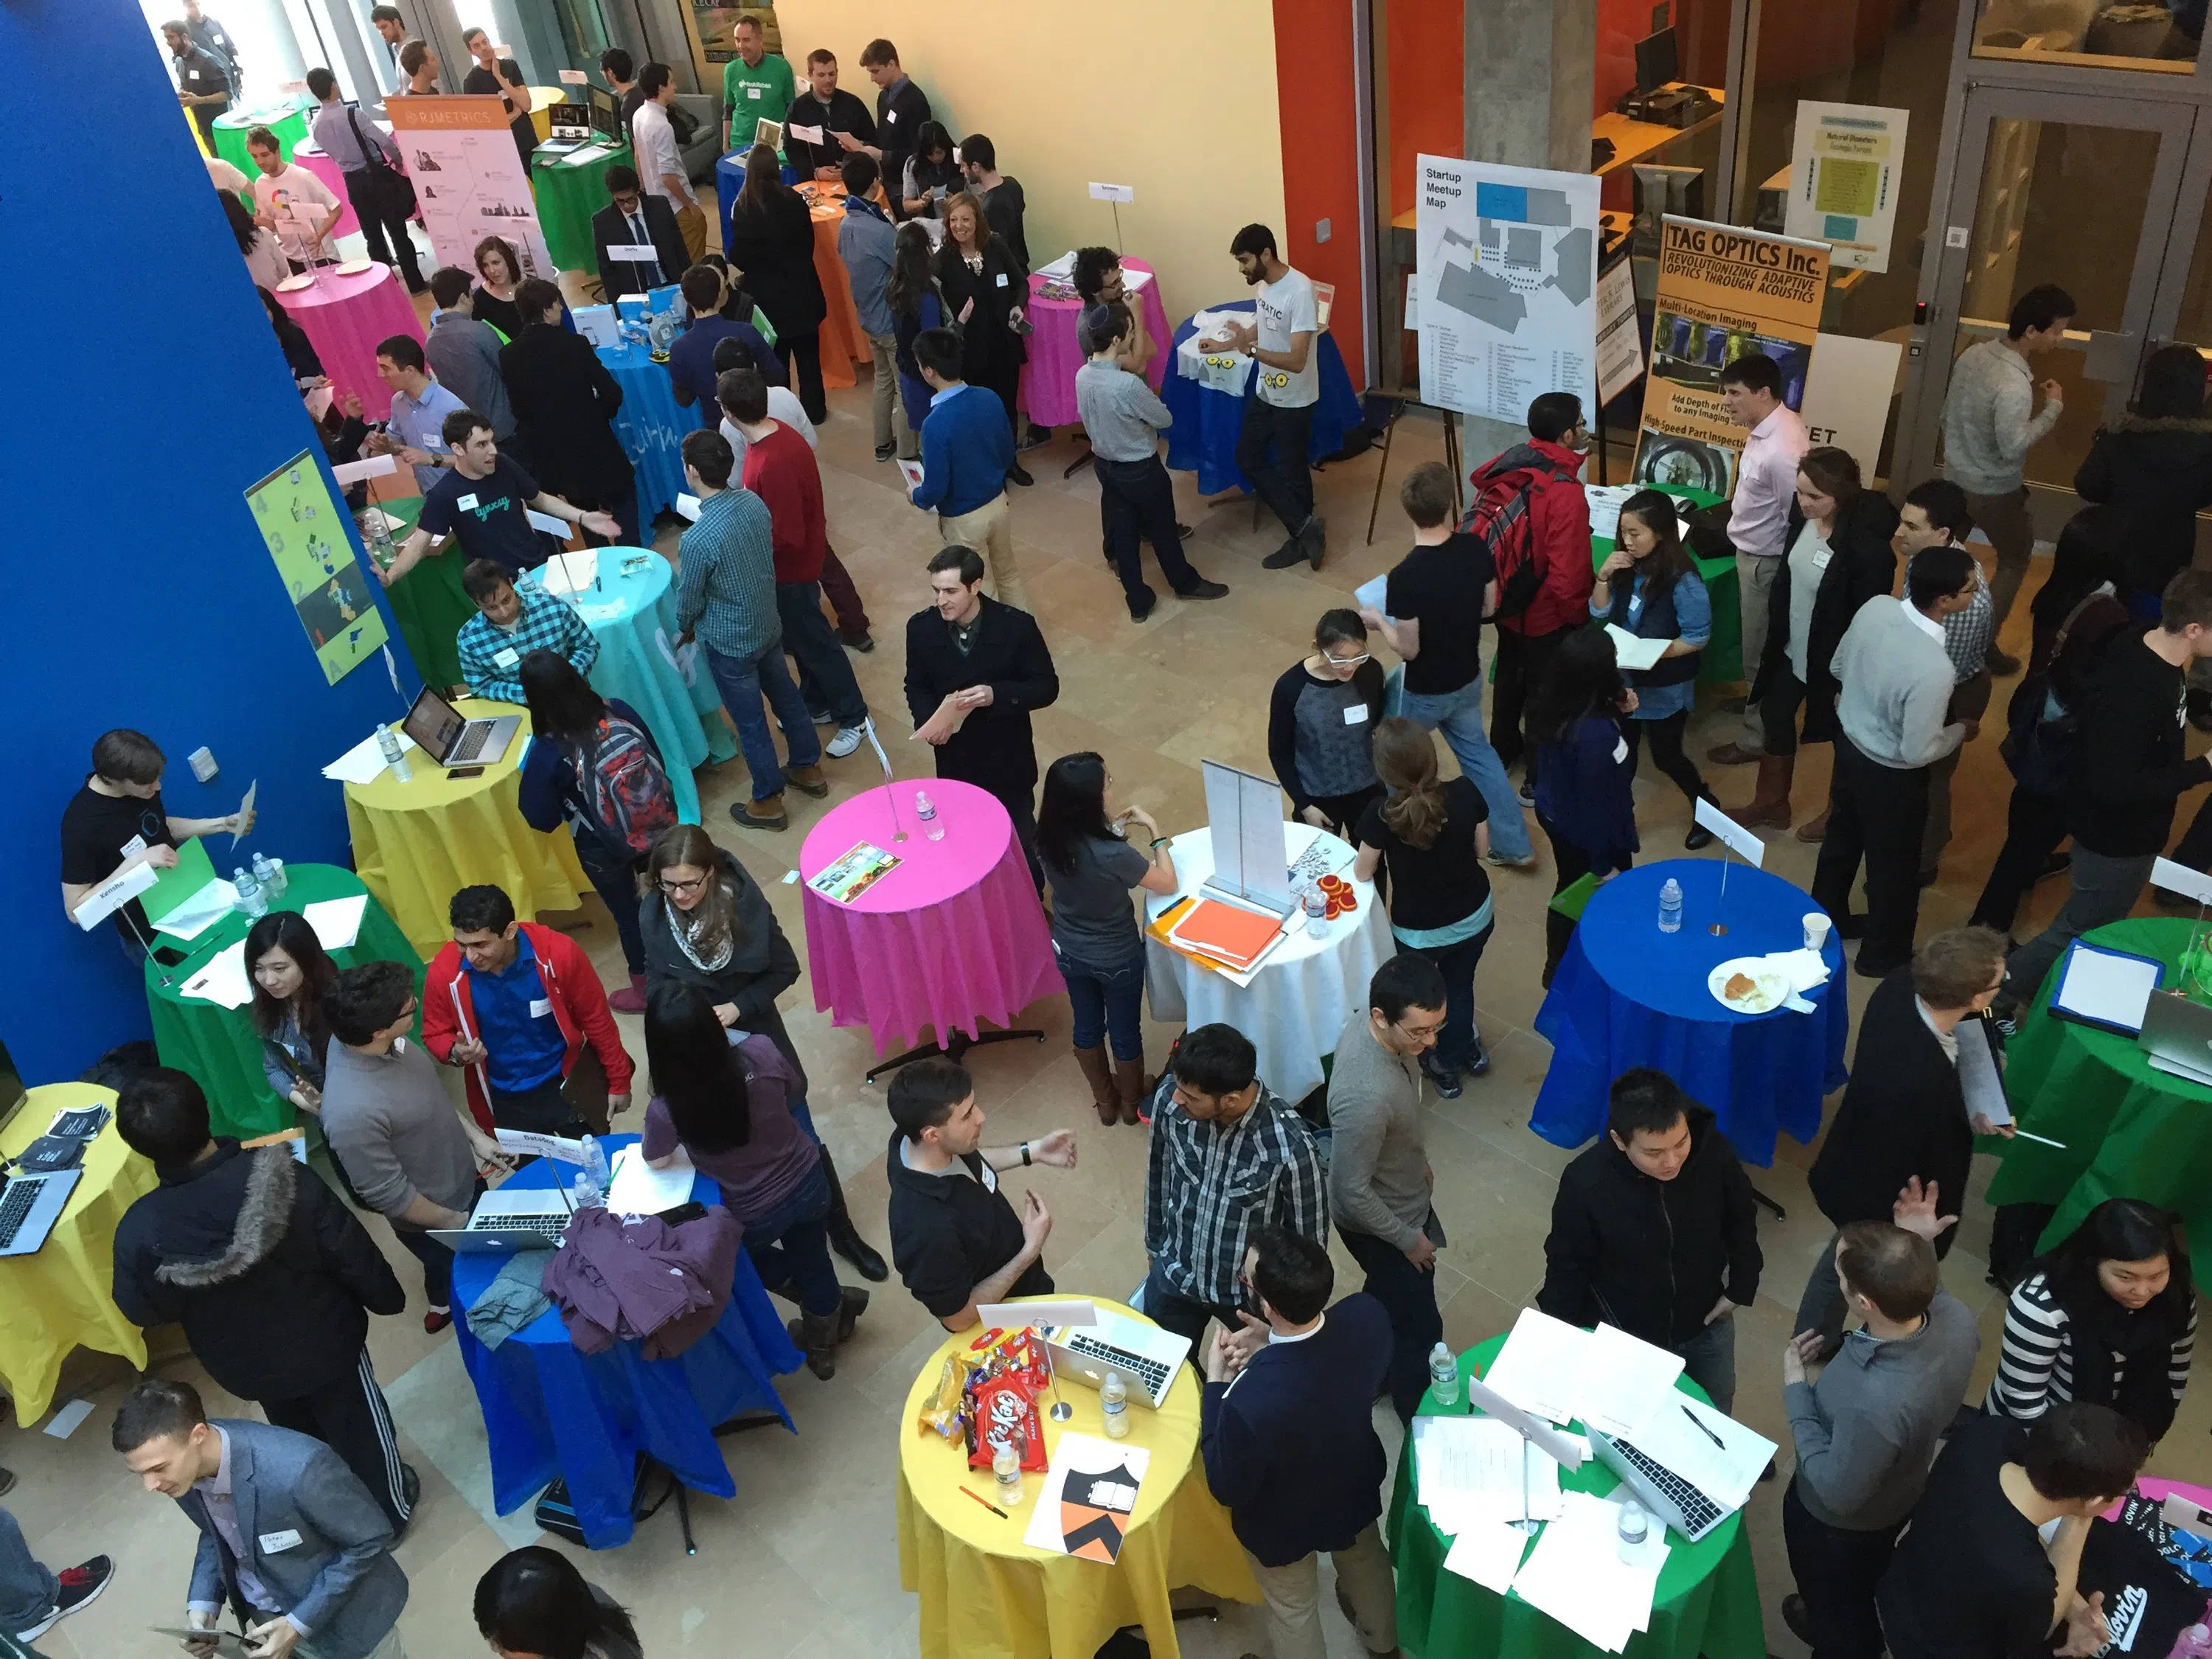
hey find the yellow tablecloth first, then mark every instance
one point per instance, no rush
(59, 1298)
(416, 844)
(986, 1594)
(542, 99)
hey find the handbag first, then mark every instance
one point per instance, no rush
(393, 191)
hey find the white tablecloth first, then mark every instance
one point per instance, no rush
(1302, 994)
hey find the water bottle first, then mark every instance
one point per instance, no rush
(250, 899)
(1443, 1376)
(595, 1164)
(264, 877)
(2195, 1642)
(387, 745)
(283, 881)
(583, 1195)
(1007, 1466)
(1316, 904)
(1635, 1527)
(926, 810)
(1670, 906)
(1113, 1402)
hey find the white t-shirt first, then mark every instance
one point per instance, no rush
(783, 405)
(223, 176)
(1285, 308)
(655, 140)
(298, 200)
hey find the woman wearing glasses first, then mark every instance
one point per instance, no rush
(707, 925)
(1320, 725)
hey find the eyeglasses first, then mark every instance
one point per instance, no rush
(1347, 662)
(1418, 1033)
(673, 888)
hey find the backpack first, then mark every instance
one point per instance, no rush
(1500, 518)
(2041, 726)
(624, 790)
(555, 1511)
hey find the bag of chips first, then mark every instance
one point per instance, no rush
(943, 1407)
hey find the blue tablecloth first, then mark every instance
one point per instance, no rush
(1203, 439)
(633, 616)
(550, 1409)
(1626, 994)
(651, 426)
(730, 179)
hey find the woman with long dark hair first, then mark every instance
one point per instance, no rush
(499, 273)
(1320, 725)
(264, 260)
(728, 1103)
(911, 293)
(931, 173)
(772, 242)
(2106, 1318)
(299, 355)
(1082, 841)
(1649, 587)
(532, 1603)
(987, 291)
(2152, 469)
(290, 971)
(1582, 771)
(1432, 837)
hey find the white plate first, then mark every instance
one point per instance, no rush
(293, 284)
(1771, 985)
(354, 267)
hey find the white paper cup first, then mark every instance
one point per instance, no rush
(1816, 930)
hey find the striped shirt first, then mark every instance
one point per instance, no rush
(491, 656)
(1209, 1186)
(2037, 1365)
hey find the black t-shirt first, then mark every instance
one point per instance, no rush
(482, 80)
(1441, 884)
(488, 515)
(1441, 588)
(950, 1232)
(100, 832)
(1970, 1580)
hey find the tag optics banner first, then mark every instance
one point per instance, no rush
(469, 179)
(1723, 292)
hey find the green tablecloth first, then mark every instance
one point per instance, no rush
(567, 196)
(1722, 661)
(1707, 1604)
(2126, 1130)
(429, 603)
(217, 1045)
(289, 125)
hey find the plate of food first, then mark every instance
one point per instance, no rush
(1745, 985)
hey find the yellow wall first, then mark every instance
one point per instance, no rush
(1072, 93)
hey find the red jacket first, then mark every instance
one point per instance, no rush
(1559, 520)
(580, 1008)
(780, 469)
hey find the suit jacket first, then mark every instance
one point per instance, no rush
(994, 749)
(565, 401)
(1861, 565)
(339, 1579)
(609, 229)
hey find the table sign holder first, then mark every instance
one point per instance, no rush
(868, 725)
(2190, 884)
(1533, 1430)
(1023, 1316)
(1251, 859)
(1737, 839)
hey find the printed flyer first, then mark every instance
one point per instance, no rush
(306, 532)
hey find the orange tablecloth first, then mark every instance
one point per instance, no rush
(843, 343)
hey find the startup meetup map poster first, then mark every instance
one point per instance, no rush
(307, 535)
(1506, 285)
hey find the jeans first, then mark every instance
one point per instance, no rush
(27, 1590)
(2104, 890)
(1458, 714)
(1185, 1315)
(825, 676)
(1520, 667)
(1109, 1003)
(1456, 962)
(1878, 812)
(1281, 478)
(1408, 1295)
(1837, 1571)
(2035, 825)
(1135, 501)
(789, 1244)
(614, 875)
(1708, 1361)
(1293, 1594)
(743, 684)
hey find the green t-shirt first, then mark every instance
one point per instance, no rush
(751, 94)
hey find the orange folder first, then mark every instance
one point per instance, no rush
(1234, 935)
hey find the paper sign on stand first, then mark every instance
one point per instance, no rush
(1619, 345)
(1113, 193)
(1731, 834)
(350, 473)
(558, 529)
(1846, 163)
(2180, 878)
(1037, 1316)
(531, 1145)
(103, 900)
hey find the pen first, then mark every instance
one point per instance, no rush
(1002, 1514)
(1702, 1429)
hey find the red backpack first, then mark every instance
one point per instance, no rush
(623, 788)
(1501, 518)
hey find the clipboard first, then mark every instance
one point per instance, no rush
(2100, 1013)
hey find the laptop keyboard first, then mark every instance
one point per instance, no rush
(545, 1227)
(1698, 1511)
(473, 738)
(16, 1205)
(1154, 1375)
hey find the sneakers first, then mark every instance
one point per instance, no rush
(1527, 791)
(846, 740)
(1203, 590)
(862, 643)
(884, 451)
(1526, 861)
(74, 1587)
(1477, 1060)
(1447, 1082)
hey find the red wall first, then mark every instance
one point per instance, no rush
(1320, 165)
(1427, 81)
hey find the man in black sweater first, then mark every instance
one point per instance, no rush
(1905, 1115)
(1287, 1431)
(271, 1276)
(2129, 769)
(830, 114)
(900, 109)
(974, 670)
(1654, 1230)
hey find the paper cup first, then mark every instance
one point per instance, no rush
(1816, 930)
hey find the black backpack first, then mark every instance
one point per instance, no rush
(557, 1510)
(2042, 723)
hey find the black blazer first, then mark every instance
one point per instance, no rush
(994, 749)
(773, 244)
(1863, 565)
(989, 346)
(621, 276)
(565, 401)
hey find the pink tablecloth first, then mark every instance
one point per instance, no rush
(952, 936)
(1048, 379)
(344, 318)
(309, 157)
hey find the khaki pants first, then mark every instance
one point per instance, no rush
(1969, 701)
(989, 531)
(891, 418)
(2004, 520)
(1754, 586)
(692, 223)
(1293, 1597)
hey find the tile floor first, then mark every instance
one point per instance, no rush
(805, 1560)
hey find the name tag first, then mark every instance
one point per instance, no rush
(507, 657)
(467, 503)
(752, 92)
(1820, 559)
(134, 846)
(540, 1007)
(191, 74)
(1356, 714)
(990, 1177)
(890, 116)
(1620, 751)
(1002, 279)
(276, 1543)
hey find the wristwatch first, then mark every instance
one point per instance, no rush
(1025, 1155)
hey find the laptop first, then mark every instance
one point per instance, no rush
(451, 738)
(512, 1219)
(1666, 1494)
(2176, 1036)
(13, 1097)
(29, 1206)
(1147, 1357)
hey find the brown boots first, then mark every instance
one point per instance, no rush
(1132, 1085)
(1115, 1095)
(1770, 802)
(767, 812)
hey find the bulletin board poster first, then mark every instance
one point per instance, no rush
(469, 179)
(708, 22)
(1843, 173)
(1722, 292)
(306, 532)
(1505, 285)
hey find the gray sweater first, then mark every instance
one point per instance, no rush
(391, 1124)
(1866, 1432)
(1378, 1173)
(1987, 427)
(1897, 682)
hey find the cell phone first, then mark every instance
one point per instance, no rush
(466, 772)
(168, 955)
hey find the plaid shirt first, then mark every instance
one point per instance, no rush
(1208, 1186)
(1967, 634)
(726, 575)
(491, 657)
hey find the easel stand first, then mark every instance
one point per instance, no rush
(1398, 402)
(138, 932)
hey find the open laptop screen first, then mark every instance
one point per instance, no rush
(434, 723)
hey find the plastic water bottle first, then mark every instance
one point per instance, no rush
(595, 1164)
(1006, 1467)
(1113, 1402)
(1635, 1527)
(1316, 904)
(583, 1194)
(926, 810)
(264, 877)
(1443, 1376)
(283, 881)
(2195, 1642)
(1670, 906)
(251, 898)
(387, 745)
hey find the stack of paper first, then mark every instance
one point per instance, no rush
(200, 912)
(337, 922)
(1541, 1367)
(1062, 268)
(587, 155)
(636, 1188)
(1469, 1471)
(364, 762)
(1576, 1573)
(1628, 1380)
(571, 571)
(1725, 1472)
(223, 980)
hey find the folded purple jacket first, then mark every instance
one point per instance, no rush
(643, 1280)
